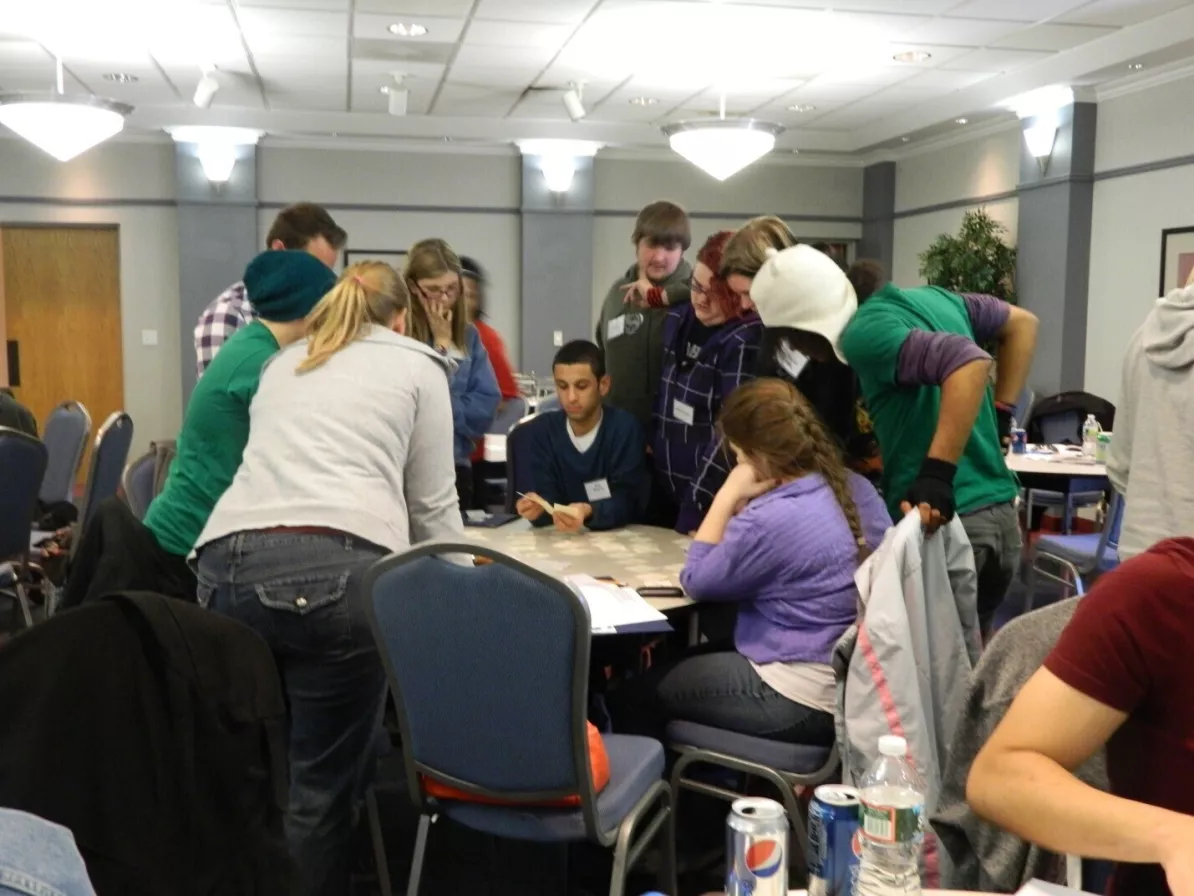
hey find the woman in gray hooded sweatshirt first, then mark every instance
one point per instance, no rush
(345, 463)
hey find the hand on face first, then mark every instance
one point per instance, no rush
(744, 484)
(439, 317)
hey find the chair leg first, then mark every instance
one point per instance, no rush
(626, 853)
(416, 862)
(379, 846)
(23, 601)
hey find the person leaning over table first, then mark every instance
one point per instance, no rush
(782, 540)
(924, 375)
(1120, 677)
(346, 462)
(589, 457)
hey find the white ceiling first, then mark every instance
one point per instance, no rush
(493, 71)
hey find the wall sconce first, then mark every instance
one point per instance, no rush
(1040, 138)
(557, 159)
(216, 147)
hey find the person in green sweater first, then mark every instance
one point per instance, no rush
(117, 552)
(925, 378)
(630, 328)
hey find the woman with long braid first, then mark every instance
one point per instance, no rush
(782, 539)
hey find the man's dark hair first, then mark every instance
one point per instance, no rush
(580, 351)
(867, 276)
(829, 249)
(298, 224)
(663, 223)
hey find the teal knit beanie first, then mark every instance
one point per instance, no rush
(285, 284)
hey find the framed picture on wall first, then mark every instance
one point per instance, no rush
(394, 258)
(1177, 258)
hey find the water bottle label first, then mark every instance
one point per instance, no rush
(891, 824)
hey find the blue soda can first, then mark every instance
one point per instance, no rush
(756, 848)
(834, 841)
(1019, 441)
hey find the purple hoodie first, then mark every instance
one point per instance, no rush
(790, 558)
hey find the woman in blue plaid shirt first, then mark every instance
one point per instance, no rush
(710, 348)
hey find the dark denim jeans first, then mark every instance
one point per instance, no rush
(300, 593)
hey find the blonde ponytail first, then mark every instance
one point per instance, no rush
(369, 292)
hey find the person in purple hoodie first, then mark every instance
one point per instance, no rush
(782, 539)
(710, 347)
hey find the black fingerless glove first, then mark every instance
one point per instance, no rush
(934, 485)
(1003, 418)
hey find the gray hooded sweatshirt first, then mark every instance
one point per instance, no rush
(1152, 448)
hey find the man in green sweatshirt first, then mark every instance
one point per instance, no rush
(630, 329)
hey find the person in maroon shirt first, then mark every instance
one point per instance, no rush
(1122, 676)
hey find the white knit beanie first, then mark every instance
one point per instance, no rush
(804, 289)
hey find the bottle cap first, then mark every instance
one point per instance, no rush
(891, 745)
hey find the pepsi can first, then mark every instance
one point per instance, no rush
(756, 848)
(834, 841)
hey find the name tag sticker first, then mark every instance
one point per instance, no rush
(683, 412)
(615, 327)
(598, 490)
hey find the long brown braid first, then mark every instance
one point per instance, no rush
(771, 421)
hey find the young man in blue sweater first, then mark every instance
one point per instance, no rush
(590, 459)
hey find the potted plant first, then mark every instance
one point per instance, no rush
(976, 260)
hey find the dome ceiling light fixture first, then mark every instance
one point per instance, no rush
(721, 147)
(60, 125)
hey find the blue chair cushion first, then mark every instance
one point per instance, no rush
(8, 575)
(635, 765)
(797, 759)
(1047, 498)
(1077, 549)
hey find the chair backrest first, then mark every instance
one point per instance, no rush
(549, 403)
(508, 415)
(1059, 418)
(519, 471)
(1109, 539)
(65, 435)
(108, 458)
(488, 666)
(22, 466)
(138, 483)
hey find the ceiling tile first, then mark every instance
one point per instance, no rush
(424, 8)
(944, 80)
(504, 56)
(1052, 37)
(306, 100)
(323, 5)
(995, 60)
(939, 54)
(1015, 10)
(562, 12)
(1121, 13)
(282, 24)
(275, 45)
(493, 78)
(960, 32)
(909, 7)
(516, 34)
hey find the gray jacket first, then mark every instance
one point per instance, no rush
(977, 855)
(634, 347)
(902, 668)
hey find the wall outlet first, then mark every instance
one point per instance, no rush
(557, 338)
(149, 337)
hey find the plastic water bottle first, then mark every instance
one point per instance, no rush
(1090, 436)
(892, 795)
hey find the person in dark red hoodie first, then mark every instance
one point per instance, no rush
(1119, 677)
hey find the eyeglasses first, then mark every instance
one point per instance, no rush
(439, 292)
(696, 288)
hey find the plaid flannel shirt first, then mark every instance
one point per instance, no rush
(224, 316)
(689, 457)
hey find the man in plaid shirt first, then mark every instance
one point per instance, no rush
(304, 226)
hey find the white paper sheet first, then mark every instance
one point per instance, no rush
(611, 606)
(1040, 888)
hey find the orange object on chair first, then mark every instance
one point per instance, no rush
(598, 765)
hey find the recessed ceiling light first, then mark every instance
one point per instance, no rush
(407, 29)
(384, 89)
(802, 107)
(913, 56)
(905, 139)
(121, 78)
(1135, 66)
(961, 120)
(643, 101)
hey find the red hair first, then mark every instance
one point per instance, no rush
(719, 291)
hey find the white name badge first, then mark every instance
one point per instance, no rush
(598, 490)
(683, 412)
(616, 327)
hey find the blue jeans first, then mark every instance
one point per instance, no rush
(300, 592)
(38, 857)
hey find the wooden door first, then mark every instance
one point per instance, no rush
(61, 302)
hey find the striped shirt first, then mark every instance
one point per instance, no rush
(689, 458)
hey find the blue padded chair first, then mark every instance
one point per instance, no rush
(785, 767)
(138, 483)
(489, 669)
(520, 473)
(548, 403)
(65, 435)
(1059, 429)
(1077, 556)
(512, 411)
(23, 460)
(108, 457)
